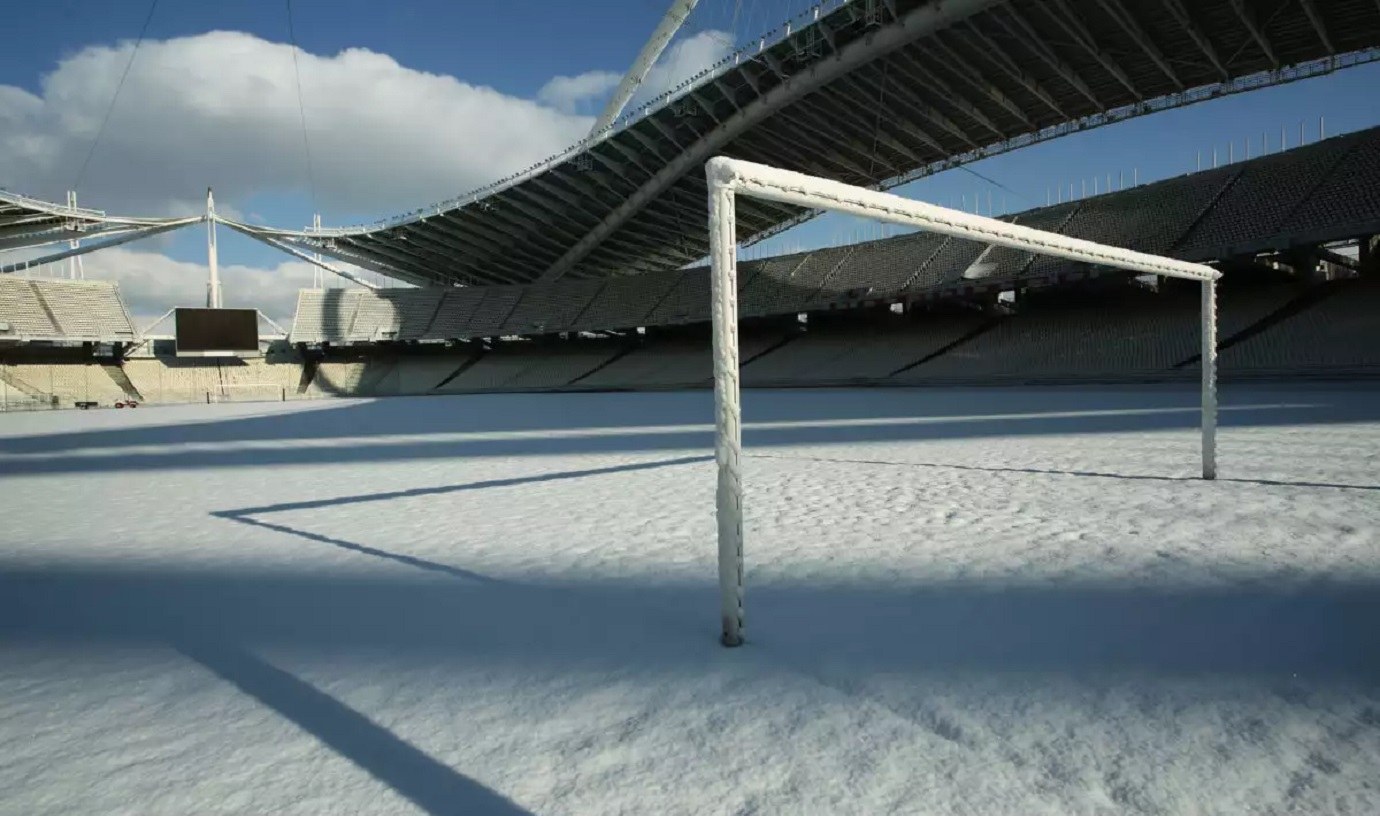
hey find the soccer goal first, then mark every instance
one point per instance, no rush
(729, 178)
(247, 392)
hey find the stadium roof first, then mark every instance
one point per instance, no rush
(26, 223)
(874, 93)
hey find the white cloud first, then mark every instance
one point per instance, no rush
(221, 109)
(681, 61)
(569, 94)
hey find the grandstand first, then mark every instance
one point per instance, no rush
(912, 309)
(1241, 210)
(62, 311)
(572, 274)
(958, 80)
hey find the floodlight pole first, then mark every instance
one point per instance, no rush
(728, 436)
(212, 257)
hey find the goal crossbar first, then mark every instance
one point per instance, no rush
(729, 178)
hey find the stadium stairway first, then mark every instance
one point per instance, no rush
(122, 381)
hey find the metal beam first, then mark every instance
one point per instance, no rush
(345, 254)
(964, 70)
(283, 246)
(922, 21)
(1039, 46)
(1122, 16)
(666, 29)
(925, 110)
(1074, 27)
(1247, 17)
(845, 107)
(1180, 15)
(1310, 9)
(906, 65)
(997, 55)
(147, 232)
(57, 236)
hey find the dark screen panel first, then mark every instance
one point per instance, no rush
(217, 330)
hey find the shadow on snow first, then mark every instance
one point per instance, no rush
(629, 423)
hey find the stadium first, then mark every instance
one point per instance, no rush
(1060, 506)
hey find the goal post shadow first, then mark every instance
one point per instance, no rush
(729, 178)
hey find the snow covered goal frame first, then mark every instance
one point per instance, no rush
(729, 178)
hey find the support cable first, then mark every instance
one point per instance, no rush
(148, 18)
(301, 108)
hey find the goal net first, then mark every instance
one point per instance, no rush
(729, 178)
(247, 392)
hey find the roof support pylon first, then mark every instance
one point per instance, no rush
(675, 17)
(212, 256)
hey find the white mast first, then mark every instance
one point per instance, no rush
(212, 260)
(318, 276)
(665, 30)
(75, 269)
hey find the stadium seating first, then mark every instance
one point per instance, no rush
(1327, 190)
(22, 310)
(346, 378)
(1151, 218)
(418, 375)
(1074, 342)
(1338, 335)
(492, 311)
(946, 266)
(624, 302)
(324, 315)
(525, 365)
(1265, 192)
(41, 309)
(86, 309)
(563, 364)
(770, 287)
(453, 316)
(862, 352)
(876, 270)
(173, 379)
(673, 362)
(69, 383)
(1001, 263)
(551, 308)
(1347, 201)
(686, 302)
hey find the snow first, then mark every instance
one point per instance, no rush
(958, 601)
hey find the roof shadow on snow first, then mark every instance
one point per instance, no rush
(434, 787)
(621, 423)
(1309, 630)
(1093, 474)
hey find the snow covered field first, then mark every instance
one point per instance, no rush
(959, 601)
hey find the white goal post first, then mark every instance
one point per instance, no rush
(247, 392)
(729, 178)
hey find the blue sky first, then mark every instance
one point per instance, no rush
(515, 50)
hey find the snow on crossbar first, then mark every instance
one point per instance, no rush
(731, 177)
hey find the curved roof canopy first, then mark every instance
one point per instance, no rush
(873, 93)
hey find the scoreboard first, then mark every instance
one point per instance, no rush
(216, 332)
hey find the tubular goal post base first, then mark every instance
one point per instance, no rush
(729, 178)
